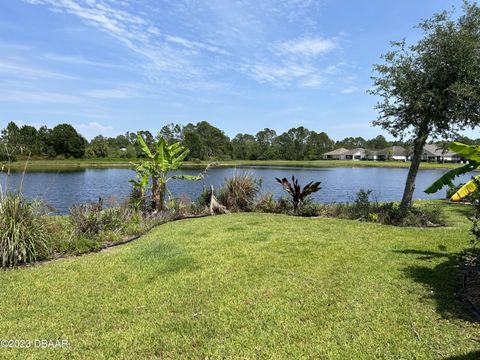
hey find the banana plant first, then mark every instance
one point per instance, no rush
(472, 154)
(154, 169)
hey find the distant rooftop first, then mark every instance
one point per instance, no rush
(436, 150)
(339, 151)
(394, 150)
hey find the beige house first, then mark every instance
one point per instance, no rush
(396, 153)
(432, 152)
(337, 154)
(390, 153)
(355, 154)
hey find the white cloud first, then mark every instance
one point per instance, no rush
(138, 34)
(302, 74)
(77, 60)
(306, 46)
(314, 81)
(28, 96)
(91, 129)
(210, 40)
(278, 75)
(195, 45)
(23, 71)
(20, 123)
(297, 62)
(349, 90)
(110, 93)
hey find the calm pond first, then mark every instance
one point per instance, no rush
(63, 189)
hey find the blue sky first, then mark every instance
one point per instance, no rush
(108, 66)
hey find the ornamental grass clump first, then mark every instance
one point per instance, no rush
(23, 230)
(239, 192)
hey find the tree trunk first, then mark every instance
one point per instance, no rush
(215, 207)
(158, 194)
(154, 194)
(161, 196)
(418, 145)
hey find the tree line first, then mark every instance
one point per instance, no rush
(205, 142)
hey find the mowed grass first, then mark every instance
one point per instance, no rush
(251, 286)
(72, 164)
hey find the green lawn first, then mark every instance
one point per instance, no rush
(72, 164)
(251, 286)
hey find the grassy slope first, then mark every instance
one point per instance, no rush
(250, 286)
(54, 165)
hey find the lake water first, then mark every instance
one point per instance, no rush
(63, 189)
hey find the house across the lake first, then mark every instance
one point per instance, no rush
(396, 153)
(355, 154)
(431, 152)
(391, 153)
(337, 154)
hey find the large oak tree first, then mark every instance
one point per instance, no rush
(431, 89)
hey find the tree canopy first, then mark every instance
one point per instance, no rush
(430, 89)
(204, 141)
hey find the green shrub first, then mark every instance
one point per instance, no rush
(266, 204)
(61, 235)
(362, 207)
(82, 245)
(424, 215)
(135, 225)
(308, 208)
(180, 207)
(239, 192)
(85, 219)
(24, 231)
(339, 210)
(113, 218)
(385, 213)
(91, 219)
(475, 230)
(284, 206)
(203, 199)
(137, 201)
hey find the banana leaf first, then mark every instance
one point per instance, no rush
(471, 152)
(467, 189)
(451, 175)
(187, 177)
(143, 145)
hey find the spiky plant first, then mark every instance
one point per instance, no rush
(297, 194)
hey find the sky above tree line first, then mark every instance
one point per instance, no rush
(111, 66)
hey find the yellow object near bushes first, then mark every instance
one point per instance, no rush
(466, 189)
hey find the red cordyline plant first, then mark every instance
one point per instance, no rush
(296, 192)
